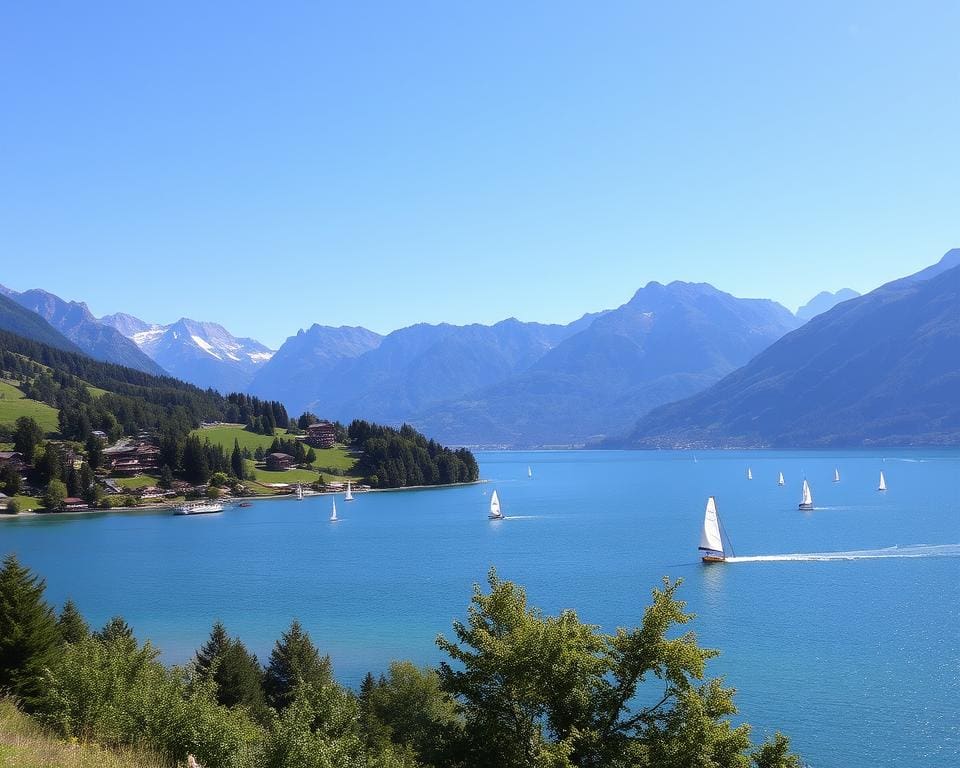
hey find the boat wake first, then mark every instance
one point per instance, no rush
(913, 550)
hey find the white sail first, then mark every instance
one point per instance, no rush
(883, 482)
(299, 492)
(495, 513)
(349, 494)
(836, 475)
(749, 474)
(806, 499)
(333, 514)
(710, 539)
(780, 479)
(529, 472)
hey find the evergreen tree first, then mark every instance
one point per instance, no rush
(196, 468)
(94, 452)
(236, 460)
(73, 483)
(72, 627)
(293, 661)
(113, 630)
(166, 478)
(211, 651)
(239, 679)
(26, 437)
(28, 632)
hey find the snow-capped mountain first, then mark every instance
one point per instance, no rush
(205, 354)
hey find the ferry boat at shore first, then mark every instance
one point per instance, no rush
(199, 508)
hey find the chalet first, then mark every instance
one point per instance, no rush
(4, 500)
(279, 461)
(321, 435)
(100, 435)
(13, 459)
(73, 504)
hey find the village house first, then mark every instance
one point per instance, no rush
(12, 459)
(321, 435)
(73, 504)
(278, 461)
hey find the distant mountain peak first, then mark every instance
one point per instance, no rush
(824, 301)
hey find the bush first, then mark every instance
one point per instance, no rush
(13, 507)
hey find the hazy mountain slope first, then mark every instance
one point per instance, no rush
(298, 371)
(824, 301)
(74, 320)
(666, 342)
(880, 369)
(21, 321)
(203, 353)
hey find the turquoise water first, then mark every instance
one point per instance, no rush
(856, 656)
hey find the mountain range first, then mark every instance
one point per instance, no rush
(75, 321)
(205, 354)
(608, 374)
(880, 369)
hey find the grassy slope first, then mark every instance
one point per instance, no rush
(23, 744)
(13, 405)
(326, 457)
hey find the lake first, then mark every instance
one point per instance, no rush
(855, 655)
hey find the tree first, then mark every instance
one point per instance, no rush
(28, 632)
(234, 671)
(540, 690)
(54, 496)
(94, 451)
(294, 660)
(13, 507)
(114, 630)
(10, 482)
(416, 712)
(26, 437)
(236, 460)
(195, 466)
(311, 456)
(72, 627)
(166, 478)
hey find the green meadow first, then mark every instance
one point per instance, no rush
(13, 405)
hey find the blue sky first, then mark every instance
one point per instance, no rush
(269, 166)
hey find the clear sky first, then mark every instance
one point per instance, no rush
(272, 165)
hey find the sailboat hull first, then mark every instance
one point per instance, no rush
(805, 507)
(713, 559)
(495, 517)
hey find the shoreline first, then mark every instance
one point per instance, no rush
(231, 501)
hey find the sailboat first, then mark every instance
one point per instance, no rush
(495, 513)
(333, 514)
(299, 492)
(711, 542)
(780, 479)
(348, 496)
(806, 500)
(749, 474)
(836, 475)
(883, 482)
(529, 472)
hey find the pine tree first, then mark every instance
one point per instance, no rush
(72, 627)
(113, 630)
(166, 478)
(28, 632)
(294, 660)
(211, 651)
(236, 460)
(239, 679)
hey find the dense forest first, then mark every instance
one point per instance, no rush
(395, 458)
(518, 690)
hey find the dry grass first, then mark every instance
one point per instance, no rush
(24, 744)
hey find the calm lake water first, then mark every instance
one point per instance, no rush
(856, 656)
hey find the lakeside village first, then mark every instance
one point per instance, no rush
(128, 472)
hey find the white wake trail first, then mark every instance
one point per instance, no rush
(913, 550)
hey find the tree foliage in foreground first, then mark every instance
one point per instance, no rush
(541, 690)
(520, 690)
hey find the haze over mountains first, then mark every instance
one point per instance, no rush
(523, 384)
(881, 369)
